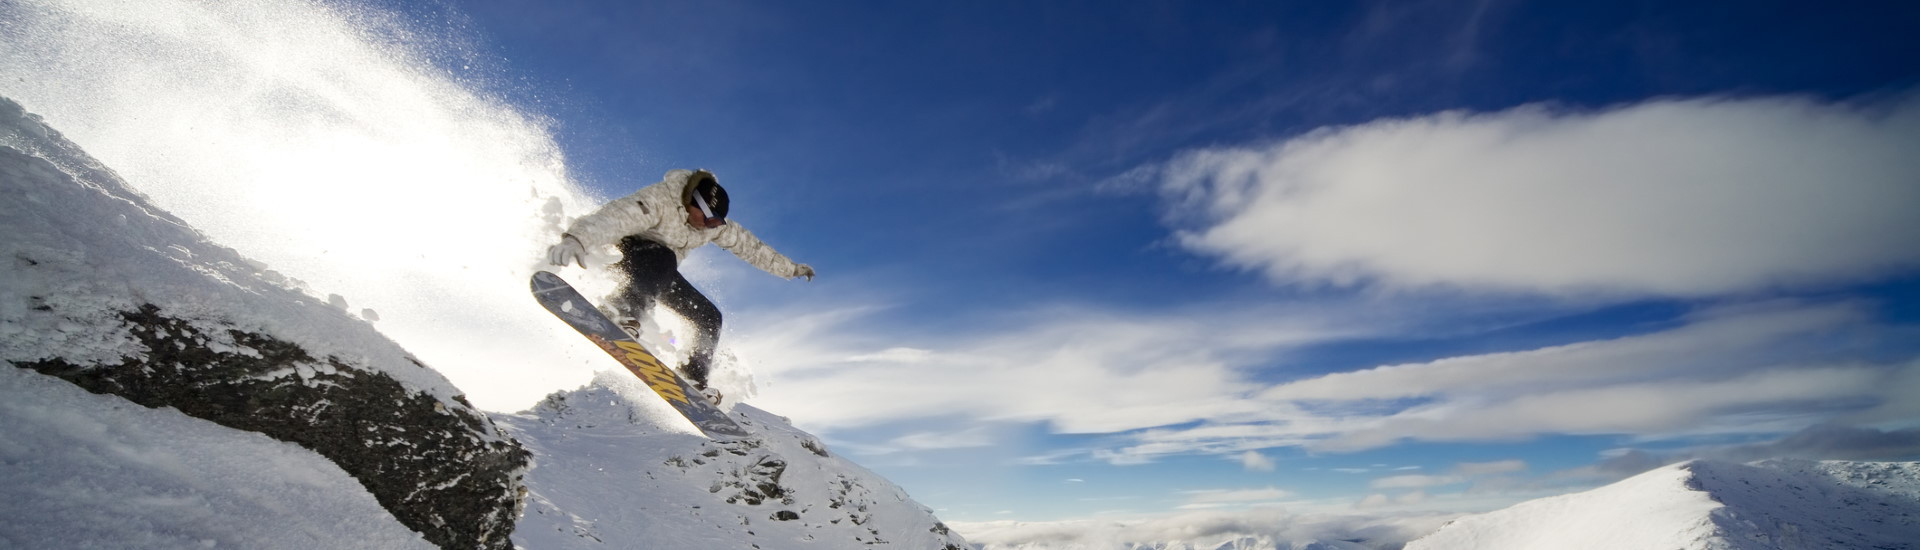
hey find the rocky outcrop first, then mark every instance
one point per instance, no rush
(103, 289)
(441, 470)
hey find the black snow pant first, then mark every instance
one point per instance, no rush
(653, 276)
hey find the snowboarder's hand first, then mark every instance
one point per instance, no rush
(804, 271)
(569, 251)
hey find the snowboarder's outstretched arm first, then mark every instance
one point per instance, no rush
(742, 243)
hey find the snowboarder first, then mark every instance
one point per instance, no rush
(655, 228)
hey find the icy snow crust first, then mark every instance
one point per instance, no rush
(607, 475)
(95, 471)
(1708, 505)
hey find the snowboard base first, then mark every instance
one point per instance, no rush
(566, 303)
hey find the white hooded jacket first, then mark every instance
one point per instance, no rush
(656, 213)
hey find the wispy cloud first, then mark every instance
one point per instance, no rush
(1207, 498)
(1490, 468)
(1170, 385)
(1692, 197)
(1828, 441)
(1462, 473)
(1715, 341)
(1205, 529)
(1754, 370)
(1079, 371)
(1415, 481)
(1253, 461)
(921, 441)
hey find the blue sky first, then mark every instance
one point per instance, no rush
(1104, 259)
(1163, 223)
(1007, 186)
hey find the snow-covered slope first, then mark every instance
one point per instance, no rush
(93, 471)
(1709, 505)
(102, 289)
(609, 474)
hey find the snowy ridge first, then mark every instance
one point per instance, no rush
(1711, 505)
(609, 473)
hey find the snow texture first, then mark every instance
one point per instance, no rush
(1710, 505)
(608, 474)
(95, 471)
(108, 292)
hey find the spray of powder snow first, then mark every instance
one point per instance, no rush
(322, 141)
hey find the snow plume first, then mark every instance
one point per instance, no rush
(321, 140)
(1695, 197)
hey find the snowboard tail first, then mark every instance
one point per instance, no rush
(566, 303)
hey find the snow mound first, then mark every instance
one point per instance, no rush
(610, 474)
(94, 471)
(1710, 505)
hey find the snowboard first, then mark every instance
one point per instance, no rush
(566, 303)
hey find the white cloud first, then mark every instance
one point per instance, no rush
(1415, 481)
(1737, 370)
(1378, 500)
(1236, 496)
(1669, 197)
(1202, 529)
(1654, 408)
(1490, 468)
(1715, 341)
(896, 355)
(1079, 371)
(921, 441)
(1253, 461)
(1174, 384)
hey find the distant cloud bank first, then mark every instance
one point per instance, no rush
(1678, 197)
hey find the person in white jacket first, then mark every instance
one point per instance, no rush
(655, 228)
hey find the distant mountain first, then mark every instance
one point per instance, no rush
(231, 409)
(1709, 505)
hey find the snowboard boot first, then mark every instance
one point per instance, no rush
(696, 372)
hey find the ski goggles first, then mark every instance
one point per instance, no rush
(707, 211)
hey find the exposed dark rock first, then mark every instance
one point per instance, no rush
(436, 468)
